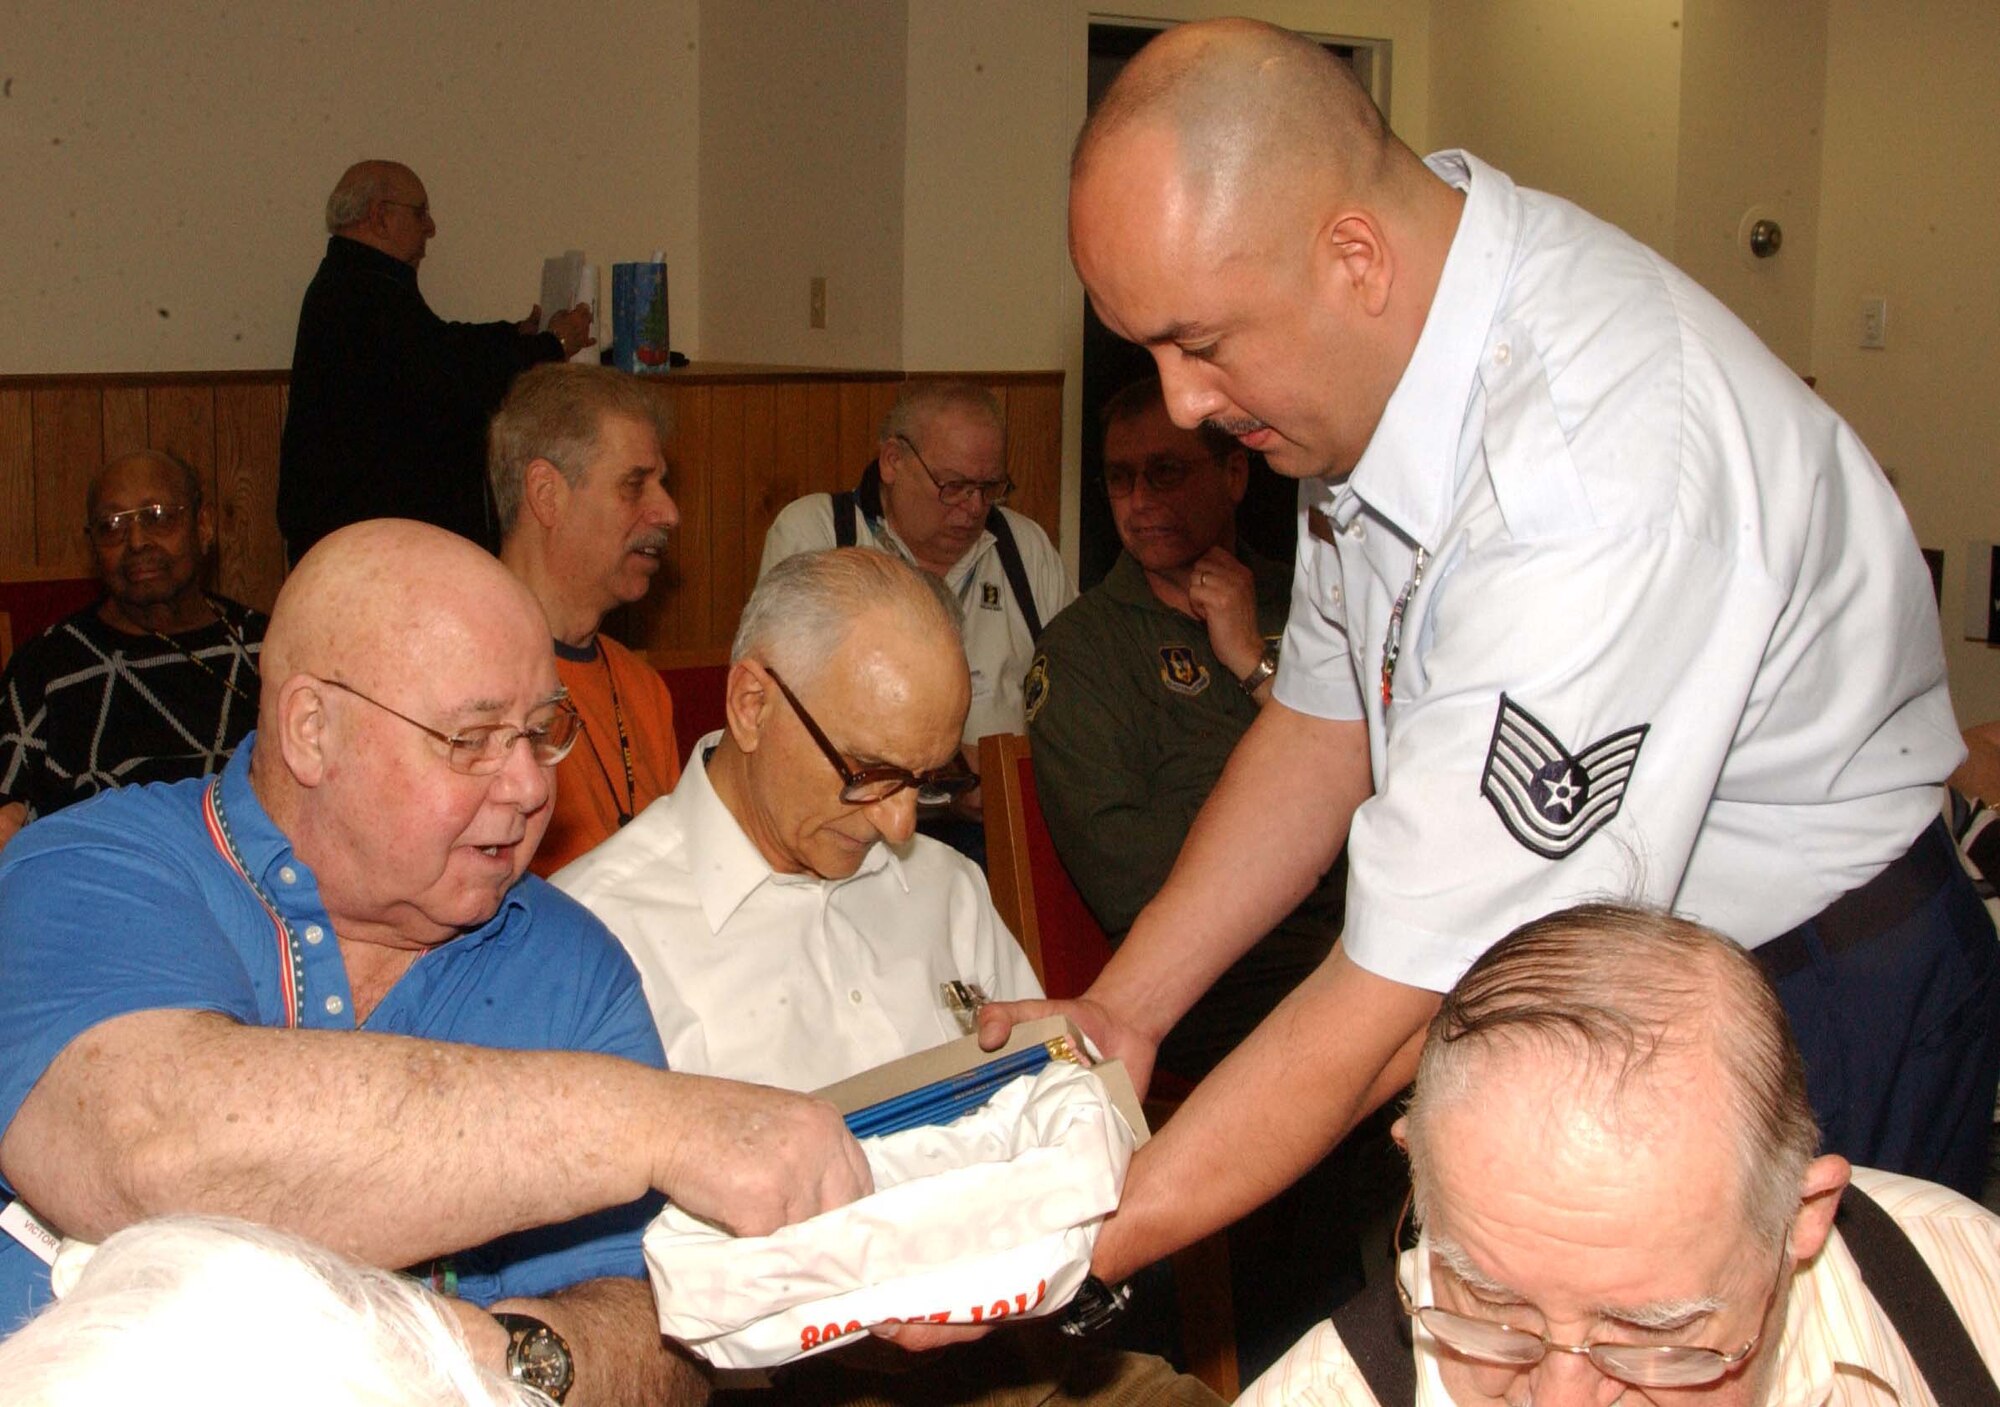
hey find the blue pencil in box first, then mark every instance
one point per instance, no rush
(639, 318)
(937, 1086)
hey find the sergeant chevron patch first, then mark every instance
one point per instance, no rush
(1548, 798)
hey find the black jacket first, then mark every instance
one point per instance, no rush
(389, 403)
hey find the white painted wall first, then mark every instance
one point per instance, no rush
(164, 168)
(801, 175)
(1907, 213)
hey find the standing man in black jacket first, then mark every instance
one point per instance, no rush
(389, 402)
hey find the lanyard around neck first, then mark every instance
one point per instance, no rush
(291, 967)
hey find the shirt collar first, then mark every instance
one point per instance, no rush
(961, 570)
(1408, 472)
(341, 249)
(1833, 1325)
(268, 857)
(726, 865)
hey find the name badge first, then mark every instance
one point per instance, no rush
(30, 1230)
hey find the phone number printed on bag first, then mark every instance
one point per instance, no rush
(812, 1337)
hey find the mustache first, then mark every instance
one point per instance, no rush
(655, 539)
(1235, 427)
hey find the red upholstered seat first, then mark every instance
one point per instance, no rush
(33, 604)
(698, 701)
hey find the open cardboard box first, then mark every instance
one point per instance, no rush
(962, 1055)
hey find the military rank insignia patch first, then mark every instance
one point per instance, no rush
(1181, 672)
(989, 597)
(1035, 688)
(1550, 799)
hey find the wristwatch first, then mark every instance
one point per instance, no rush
(1096, 1305)
(1266, 667)
(537, 1355)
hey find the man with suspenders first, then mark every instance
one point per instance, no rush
(1613, 1170)
(935, 496)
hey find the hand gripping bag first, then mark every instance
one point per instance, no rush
(990, 1217)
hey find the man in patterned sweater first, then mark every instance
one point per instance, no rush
(156, 682)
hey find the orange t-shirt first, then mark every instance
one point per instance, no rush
(591, 791)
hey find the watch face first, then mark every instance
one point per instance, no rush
(541, 1360)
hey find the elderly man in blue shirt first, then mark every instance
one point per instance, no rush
(320, 991)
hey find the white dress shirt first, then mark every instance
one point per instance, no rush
(1838, 1349)
(791, 980)
(1635, 518)
(997, 645)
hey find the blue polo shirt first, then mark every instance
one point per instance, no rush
(125, 904)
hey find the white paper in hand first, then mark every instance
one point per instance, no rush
(988, 1218)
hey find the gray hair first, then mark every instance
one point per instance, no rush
(555, 411)
(803, 608)
(920, 401)
(1611, 988)
(280, 1318)
(355, 195)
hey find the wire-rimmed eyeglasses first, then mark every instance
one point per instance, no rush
(957, 491)
(108, 528)
(868, 785)
(482, 749)
(1502, 1345)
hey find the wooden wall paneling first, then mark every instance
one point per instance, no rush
(180, 419)
(17, 480)
(881, 397)
(760, 456)
(69, 446)
(1034, 450)
(666, 618)
(251, 555)
(858, 426)
(791, 467)
(727, 427)
(124, 421)
(823, 466)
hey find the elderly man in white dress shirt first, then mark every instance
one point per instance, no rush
(1613, 1167)
(790, 927)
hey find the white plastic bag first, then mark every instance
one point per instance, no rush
(991, 1217)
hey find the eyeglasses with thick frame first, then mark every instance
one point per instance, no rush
(422, 212)
(957, 491)
(1161, 476)
(481, 750)
(109, 528)
(1637, 1365)
(868, 785)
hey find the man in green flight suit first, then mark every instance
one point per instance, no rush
(1140, 690)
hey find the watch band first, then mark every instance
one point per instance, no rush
(537, 1355)
(1266, 667)
(1096, 1305)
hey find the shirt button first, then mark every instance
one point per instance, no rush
(1334, 595)
(1503, 354)
(855, 996)
(288, 875)
(334, 1006)
(1358, 530)
(314, 933)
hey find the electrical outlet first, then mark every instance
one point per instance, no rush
(1874, 323)
(816, 306)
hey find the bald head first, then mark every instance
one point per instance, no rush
(360, 186)
(383, 600)
(1251, 111)
(1627, 1010)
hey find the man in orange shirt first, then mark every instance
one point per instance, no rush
(580, 481)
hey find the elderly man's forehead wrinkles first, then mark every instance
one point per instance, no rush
(1656, 1314)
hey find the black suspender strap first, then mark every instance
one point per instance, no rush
(1916, 1304)
(866, 497)
(1376, 1333)
(1016, 569)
